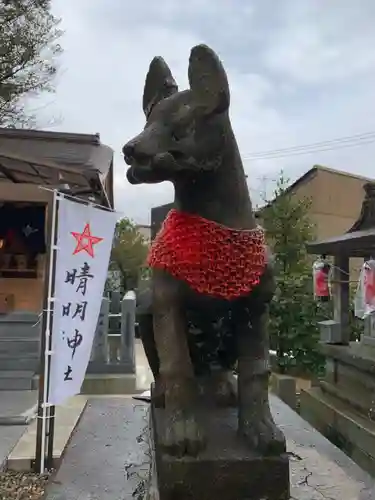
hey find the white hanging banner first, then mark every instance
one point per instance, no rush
(84, 241)
(364, 301)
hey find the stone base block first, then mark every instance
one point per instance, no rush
(109, 384)
(226, 470)
(285, 388)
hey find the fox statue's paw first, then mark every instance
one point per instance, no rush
(182, 435)
(262, 435)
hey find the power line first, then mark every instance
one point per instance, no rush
(321, 143)
(329, 145)
(309, 151)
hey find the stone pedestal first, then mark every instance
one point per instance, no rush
(342, 406)
(108, 458)
(226, 470)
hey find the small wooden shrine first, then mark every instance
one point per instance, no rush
(77, 163)
(342, 404)
(32, 164)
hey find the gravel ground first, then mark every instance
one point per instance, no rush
(22, 485)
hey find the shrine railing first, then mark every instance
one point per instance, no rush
(113, 347)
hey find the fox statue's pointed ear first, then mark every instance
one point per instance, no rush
(208, 80)
(159, 84)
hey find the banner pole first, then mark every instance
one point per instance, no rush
(52, 408)
(41, 435)
(51, 437)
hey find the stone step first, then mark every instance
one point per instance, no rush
(22, 456)
(19, 316)
(342, 424)
(359, 401)
(353, 380)
(16, 380)
(17, 331)
(14, 346)
(24, 362)
(19, 324)
(18, 407)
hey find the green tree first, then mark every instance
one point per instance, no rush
(29, 36)
(294, 314)
(129, 253)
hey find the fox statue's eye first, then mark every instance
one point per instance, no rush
(182, 130)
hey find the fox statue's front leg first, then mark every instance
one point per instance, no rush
(256, 423)
(182, 433)
(146, 333)
(221, 382)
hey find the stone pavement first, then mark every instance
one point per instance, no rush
(17, 408)
(67, 416)
(9, 436)
(319, 470)
(108, 457)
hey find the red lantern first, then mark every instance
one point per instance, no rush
(321, 271)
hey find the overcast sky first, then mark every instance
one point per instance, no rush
(300, 72)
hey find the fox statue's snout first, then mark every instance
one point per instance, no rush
(148, 156)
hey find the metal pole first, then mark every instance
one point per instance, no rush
(51, 437)
(45, 355)
(51, 419)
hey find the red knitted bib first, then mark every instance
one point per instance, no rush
(214, 260)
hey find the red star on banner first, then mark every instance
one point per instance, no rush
(85, 241)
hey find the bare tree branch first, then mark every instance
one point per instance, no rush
(29, 47)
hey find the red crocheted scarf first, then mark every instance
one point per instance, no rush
(212, 259)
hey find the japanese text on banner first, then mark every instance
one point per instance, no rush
(84, 241)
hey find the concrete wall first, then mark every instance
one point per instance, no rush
(145, 231)
(336, 203)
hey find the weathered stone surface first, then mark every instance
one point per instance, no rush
(318, 470)
(342, 406)
(17, 407)
(352, 371)
(340, 422)
(208, 313)
(107, 458)
(9, 436)
(99, 352)
(109, 383)
(222, 469)
(285, 387)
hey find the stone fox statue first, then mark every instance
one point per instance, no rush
(211, 267)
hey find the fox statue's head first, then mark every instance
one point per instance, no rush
(186, 132)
